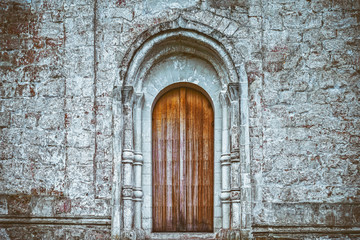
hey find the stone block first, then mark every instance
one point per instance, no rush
(228, 3)
(317, 60)
(4, 119)
(339, 20)
(80, 190)
(19, 204)
(274, 23)
(3, 205)
(42, 206)
(62, 206)
(51, 88)
(333, 44)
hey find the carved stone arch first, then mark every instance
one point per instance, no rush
(140, 86)
(184, 25)
(194, 40)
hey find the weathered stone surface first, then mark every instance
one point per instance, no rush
(60, 61)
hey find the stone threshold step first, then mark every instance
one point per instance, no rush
(182, 236)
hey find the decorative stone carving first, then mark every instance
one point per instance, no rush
(127, 192)
(132, 156)
(235, 195)
(233, 89)
(128, 235)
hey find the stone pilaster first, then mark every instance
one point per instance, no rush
(116, 200)
(245, 181)
(233, 90)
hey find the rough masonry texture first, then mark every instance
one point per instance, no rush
(78, 79)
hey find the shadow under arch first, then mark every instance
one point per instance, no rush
(181, 84)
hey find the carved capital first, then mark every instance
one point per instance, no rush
(127, 94)
(235, 155)
(234, 91)
(128, 235)
(117, 93)
(139, 100)
(132, 235)
(229, 234)
(224, 98)
(235, 195)
(127, 192)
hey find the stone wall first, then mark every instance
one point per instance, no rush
(60, 60)
(305, 116)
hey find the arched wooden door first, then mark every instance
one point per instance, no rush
(183, 162)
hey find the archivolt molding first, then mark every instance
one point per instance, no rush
(179, 29)
(178, 48)
(187, 36)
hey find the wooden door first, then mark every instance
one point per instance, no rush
(183, 162)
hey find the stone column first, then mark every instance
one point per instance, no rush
(233, 90)
(116, 206)
(225, 163)
(138, 194)
(245, 156)
(127, 161)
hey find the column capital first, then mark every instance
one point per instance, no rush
(235, 195)
(224, 98)
(127, 192)
(139, 100)
(117, 93)
(234, 91)
(127, 94)
(235, 155)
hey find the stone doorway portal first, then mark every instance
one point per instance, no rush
(166, 58)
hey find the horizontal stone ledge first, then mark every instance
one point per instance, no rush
(11, 220)
(305, 230)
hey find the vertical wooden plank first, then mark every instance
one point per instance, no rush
(183, 149)
(208, 156)
(156, 154)
(176, 160)
(199, 175)
(168, 162)
(162, 165)
(187, 162)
